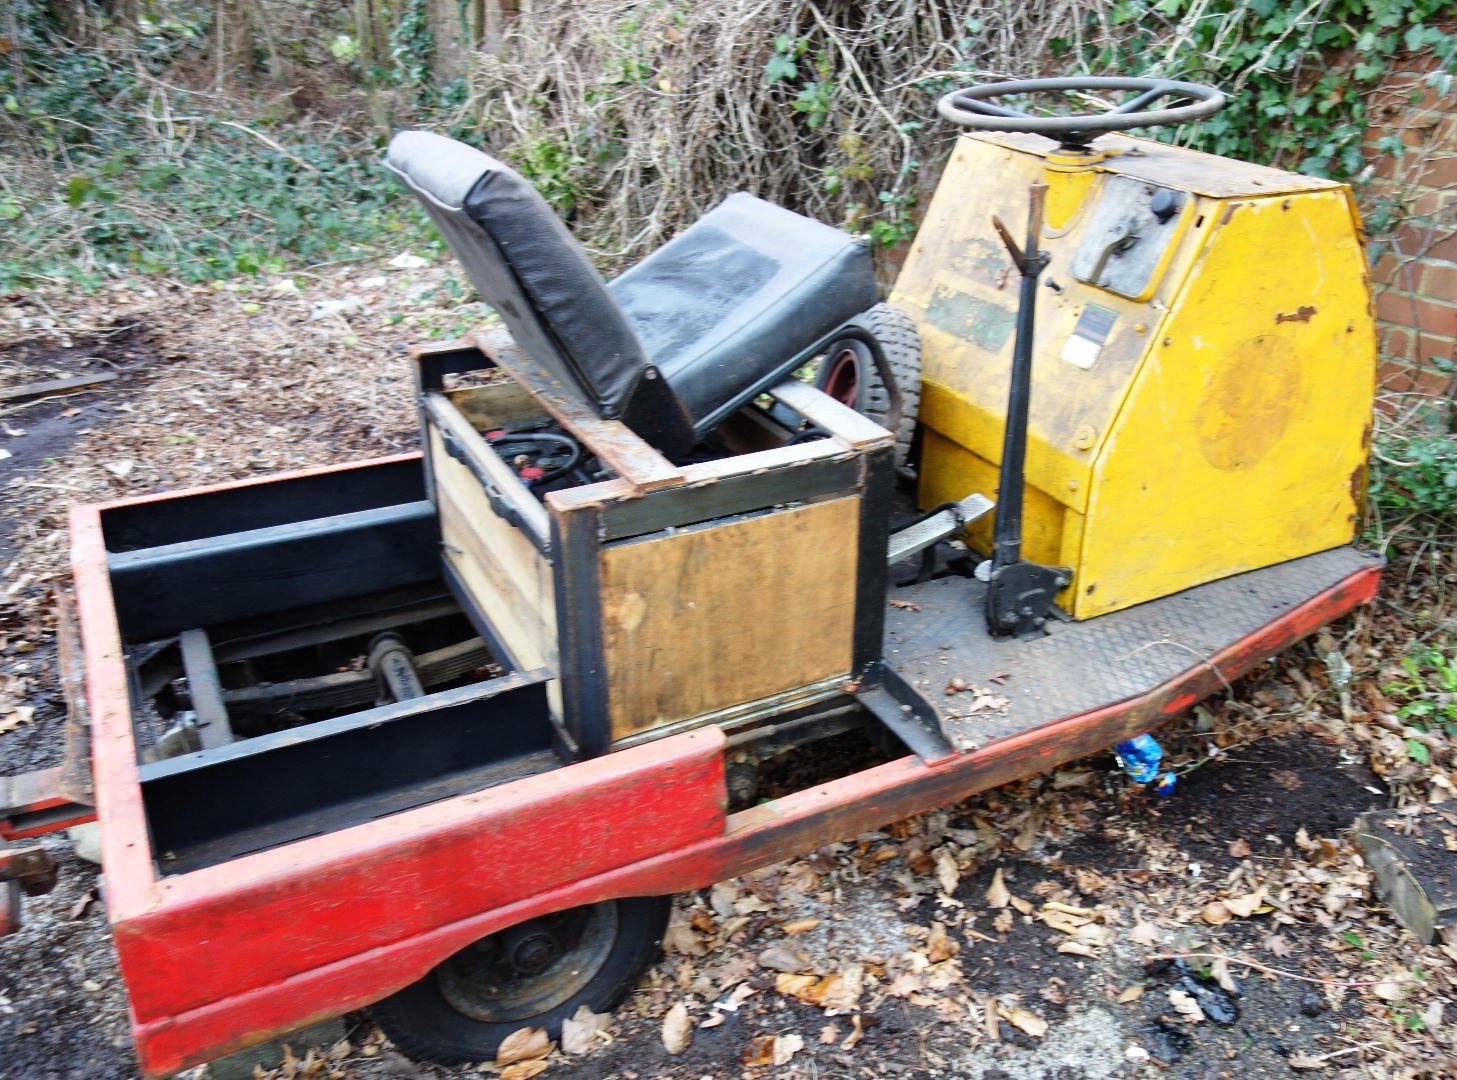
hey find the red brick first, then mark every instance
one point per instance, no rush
(1439, 281)
(1428, 380)
(1440, 172)
(1395, 307)
(1395, 343)
(1393, 378)
(1394, 271)
(1431, 202)
(1432, 347)
(1436, 317)
(1434, 242)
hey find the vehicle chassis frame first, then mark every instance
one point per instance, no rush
(335, 922)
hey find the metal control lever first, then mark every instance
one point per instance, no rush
(1020, 593)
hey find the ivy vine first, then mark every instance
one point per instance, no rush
(1297, 73)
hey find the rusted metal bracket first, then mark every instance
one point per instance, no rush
(26, 869)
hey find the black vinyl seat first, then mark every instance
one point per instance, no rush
(679, 341)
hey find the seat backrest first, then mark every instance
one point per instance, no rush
(526, 265)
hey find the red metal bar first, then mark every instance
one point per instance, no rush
(224, 957)
(32, 804)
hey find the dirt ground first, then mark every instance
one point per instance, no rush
(1069, 927)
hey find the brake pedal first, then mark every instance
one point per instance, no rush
(936, 527)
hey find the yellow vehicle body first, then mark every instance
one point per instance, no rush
(1204, 369)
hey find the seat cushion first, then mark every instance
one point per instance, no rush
(726, 306)
(526, 265)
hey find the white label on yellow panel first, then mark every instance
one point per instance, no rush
(1086, 341)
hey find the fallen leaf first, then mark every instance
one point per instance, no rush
(905, 605)
(584, 1030)
(1061, 920)
(829, 1034)
(785, 1047)
(1220, 972)
(939, 945)
(1077, 948)
(1286, 779)
(1026, 1021)
(760, 1051)
(1133, 993)
(119, 469)
(1145, 933)
(1244, 906)
(1388, 990)
(522, 1070)
(783, 958)
(1002, 924)
(523, 1044)
(904, 985)
(677, 1030)
(24, 714)
(797, 986)
(1215, 914)
(82, 902)
(737, 997)
(947, 872)
(1239, 850)
(998, 895)
(799, 926)
(1278, 946)
(1186, 1006)
(1301, 1060)
(858, 1033)
(714, 1019)
(1024, 906)
(681, 938)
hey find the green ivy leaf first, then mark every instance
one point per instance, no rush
(1418, 752)
(780, 68)
(76, 189)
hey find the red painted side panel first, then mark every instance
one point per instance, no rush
(753, 838)
(271, 915)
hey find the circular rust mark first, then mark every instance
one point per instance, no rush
(1248, 403)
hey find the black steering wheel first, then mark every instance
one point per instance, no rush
(972, 107)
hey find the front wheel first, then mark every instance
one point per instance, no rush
(535, 974)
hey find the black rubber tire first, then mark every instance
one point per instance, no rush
(898, 366)
(424, 1026)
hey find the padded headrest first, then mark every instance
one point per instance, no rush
(526, 265)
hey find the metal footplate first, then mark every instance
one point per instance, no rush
(937, 527)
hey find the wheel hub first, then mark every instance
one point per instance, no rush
(533, 953)
(842, 378)
(531, 968)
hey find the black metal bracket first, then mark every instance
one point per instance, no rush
(902, 709)
(1020, 596)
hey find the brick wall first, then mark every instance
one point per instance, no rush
(1415, 257)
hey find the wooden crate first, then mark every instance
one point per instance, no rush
(669, 596)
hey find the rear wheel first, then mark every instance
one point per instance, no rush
(883, 384)
(535, 974)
